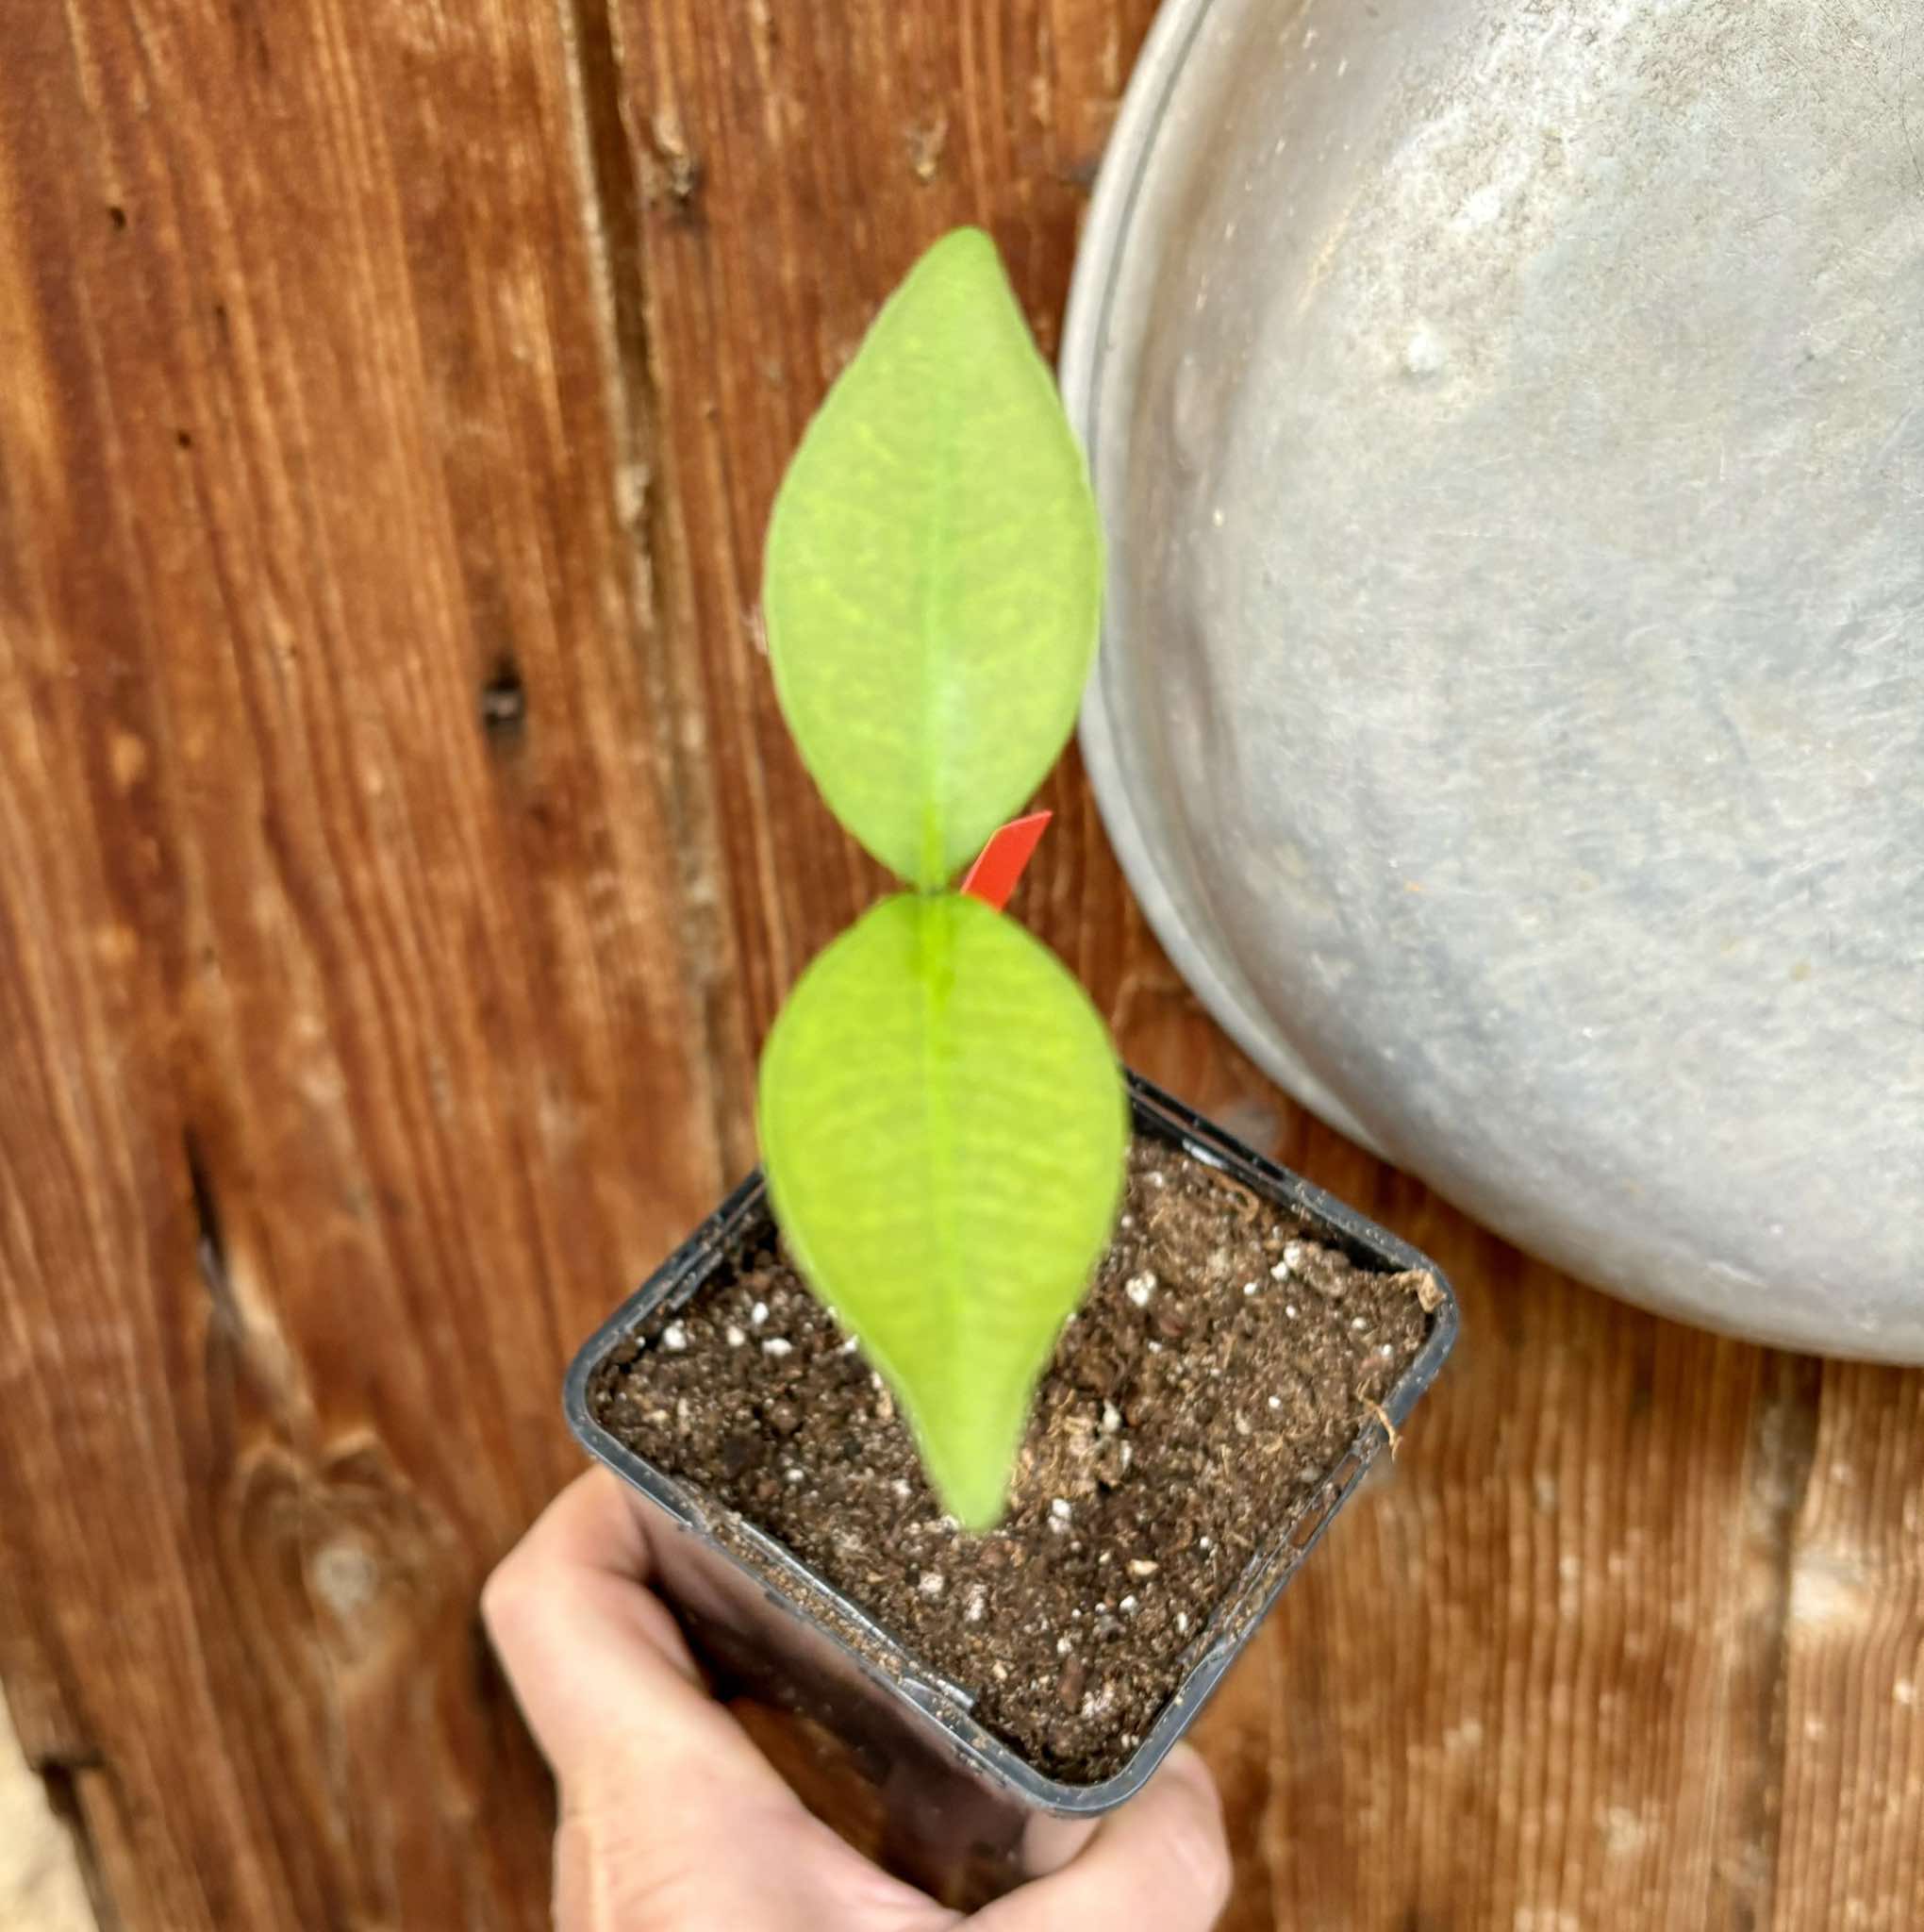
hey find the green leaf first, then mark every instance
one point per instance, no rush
(934, 572)
(944, 1127)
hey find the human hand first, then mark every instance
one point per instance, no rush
(672, 1821)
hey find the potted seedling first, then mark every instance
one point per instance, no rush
(986, 1420)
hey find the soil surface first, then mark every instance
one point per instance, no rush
(1221, 1367)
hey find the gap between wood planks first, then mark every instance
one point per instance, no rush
(1782, 1454)
(611, 213)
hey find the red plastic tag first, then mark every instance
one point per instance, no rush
(1001, 862)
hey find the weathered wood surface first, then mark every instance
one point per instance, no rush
(400, 858)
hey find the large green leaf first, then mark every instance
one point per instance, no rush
(944, 1127)
(933, 571)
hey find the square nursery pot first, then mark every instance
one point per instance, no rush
(955, 1797)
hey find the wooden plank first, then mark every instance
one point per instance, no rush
(1852, 1830)
(355, 1054)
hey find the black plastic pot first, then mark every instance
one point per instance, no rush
(957, 1797)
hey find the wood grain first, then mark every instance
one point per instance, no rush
(400, 861)
(356, 1051)
(1850, 1836)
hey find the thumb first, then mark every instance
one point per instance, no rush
(1158, 1864)
(670, 1817)
(602, 1673)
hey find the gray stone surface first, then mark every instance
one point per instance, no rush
(1509, 426)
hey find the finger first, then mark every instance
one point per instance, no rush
(602, 1673)
(1049, 1843)
(592, 1527)
(661, 1789)
(1159, 1864)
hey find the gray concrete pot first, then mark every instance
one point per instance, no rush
(1509, 425)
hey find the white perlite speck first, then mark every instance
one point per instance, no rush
(759, 1313)
(1127, 1607)
(1060, 1510)
(1181, 1621)
(931, 1583)
(1275, 1402)
(900, 1488)
(732, 1336)
(675, 1338)
(1138, 1288)
(1294, 1256)
(1279, 1272)
(1142, 1566)
(977, 1604)
(1248, 1288)
(1112, 1418)
(1063, 1646)
(1290, 1310)
(776, 1346)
